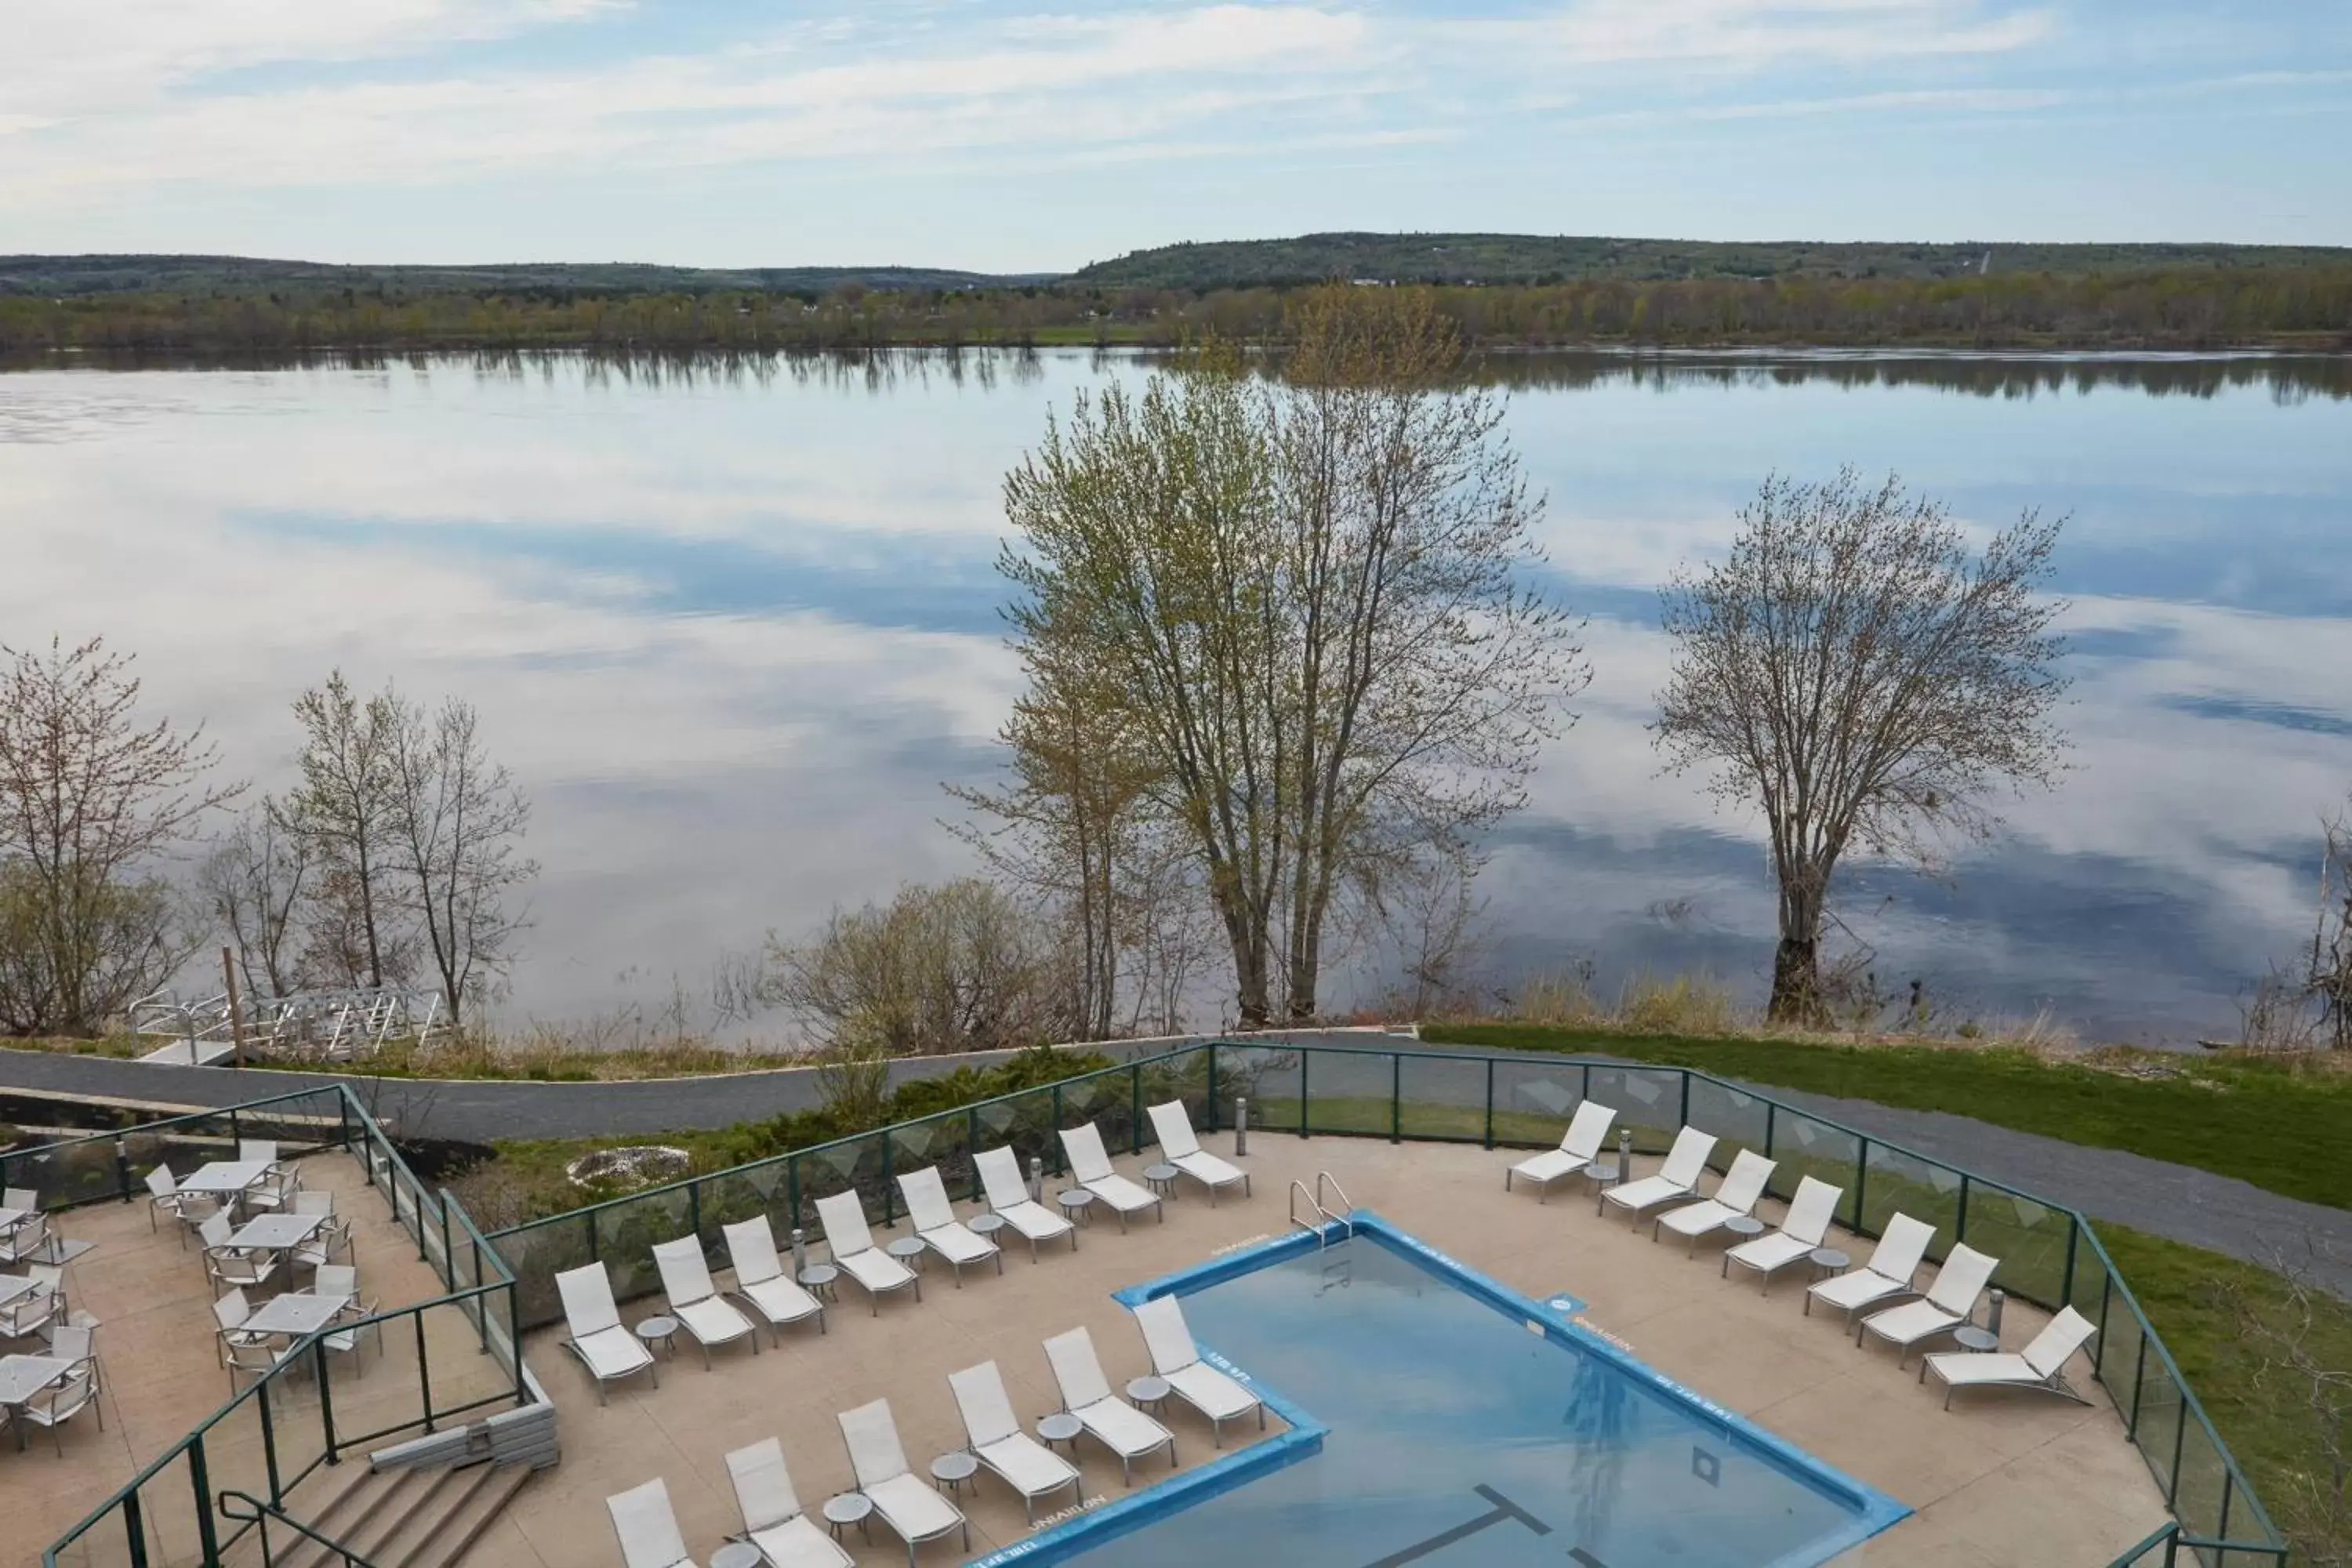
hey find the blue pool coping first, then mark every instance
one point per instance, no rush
(1559, 1316)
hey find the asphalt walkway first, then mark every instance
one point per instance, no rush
(2219, 1213)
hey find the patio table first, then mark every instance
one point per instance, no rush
(225, 1178)
(295, 1314)
(276, 1232)
(22, 1377)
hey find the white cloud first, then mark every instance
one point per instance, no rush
(1752, 33)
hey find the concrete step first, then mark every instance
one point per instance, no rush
(463, 1525)
(367, 1509)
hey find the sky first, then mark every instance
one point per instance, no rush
(1015, 137)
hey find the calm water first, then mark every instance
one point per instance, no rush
(733, 628)
(1445, 1414)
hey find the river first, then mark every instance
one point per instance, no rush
(733, 624)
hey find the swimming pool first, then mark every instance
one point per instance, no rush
(1448, 1421)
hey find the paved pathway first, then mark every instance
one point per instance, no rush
(2219, 1213)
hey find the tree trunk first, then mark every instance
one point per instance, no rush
(1796, 981)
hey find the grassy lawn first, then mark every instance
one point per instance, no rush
(2276, 1127)
(2198, 1300)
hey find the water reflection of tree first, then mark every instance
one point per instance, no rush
(1602, 1408)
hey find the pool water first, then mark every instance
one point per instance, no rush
(1462, 1434)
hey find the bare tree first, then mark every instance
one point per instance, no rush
(346, 812)
(1852, 669)
(2329, 971)
(92, 804)
(457, 823)
(256, 882)
(2295, 1343)
(963, 966)
(1310, 608)
(1435, 917)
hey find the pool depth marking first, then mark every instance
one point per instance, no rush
(1503, 1512)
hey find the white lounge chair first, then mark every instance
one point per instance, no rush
(647, 1527)
(695, 1302)
(1086, 1394)
(593, 1331)
(773, 1518)
(1580, 1146)
(997, 1441)
(760, 1283)
(906, 1505)
(1886, 1276)
(2040, 1366)
(1090, 1167)
(1008, 1196)
(1805, 1227)
(1949, 1302)
(1676, 1181)
(1181, 1147)
(933, 1217)
(1737, 1194)
(843, 1215)
(1176, 1360)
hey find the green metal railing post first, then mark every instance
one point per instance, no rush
(269, 1449)
(2066, 1287)
(424, 1371)
(694, 1210)
(343, 1120)
(589, 1219)
(1213, 1086)
(793, 1188)
(889, 1187)
(1054, 1144)
(134, 1523)
(448, 1259)
(971, 1149)
(1770, 1117)
(327, 1397)
(235, 1134)
(2139, 1381)
(1490, 1102)
(1304, 1057)
(1960, 1221)
(1396, 1097)
(2179, 1438)
(197, 1478)
(1686, 1118)
(1135, 1109)
(1860, 1180)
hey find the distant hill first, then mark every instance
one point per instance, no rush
(60, 277)
(1535, 258)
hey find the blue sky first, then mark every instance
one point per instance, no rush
(1017, 136)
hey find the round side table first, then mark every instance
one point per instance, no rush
(737, 1554)
(1161, 1178)
(985, 1224)
(1744, 1226)
(1600, 1174)
(1969, 1337)
(661, 1331)
(849, 1508)
(1074, 1202)
(817, 1279)
(1060, 1427)
(1150, 1393)
(910, 1250)
(949, 1471)
(1827, 1260)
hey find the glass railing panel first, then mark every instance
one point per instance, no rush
(537, 1253)
(1265, 1075)
(1735, 1118)
(1805, 1146)
(2158, 1433)
(746, 1192)
(1183, 1076)
(936, 1142)
(1442, 1098)
(236, 1452)
(1535, 1097)
(2196, 1500)
(1349, 1092)
(2029, 1237)
(626, 1233)
(1896, 1182)
(1648, 1101)
(849, 1164)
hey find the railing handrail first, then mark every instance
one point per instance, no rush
(262, 1512)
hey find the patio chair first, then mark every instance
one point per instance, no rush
(63, 1400)
(1737, 1194)
(1949, 1302)
(1805, 1227)
(29, 1239)
(230, 1314)
(933, 1217)
(997, 1441)
(1090, 1167)
(1676, 1181)
(1008, 1195)
(1181, 1147)
(2041, 1366)
(235, 1267)
(1176, 1361)
(760, 1283)
(262, 1148)
(1580, 1146)
(187, 1210)
(592, 1330)
(30, 1313)
(909, 1505)
(773, 1519)
(1886, 1276)
(695, 1302)
(843, 1215)
(1086, 1394)
(70, 1341)
(647, 1527)
(344, 1279)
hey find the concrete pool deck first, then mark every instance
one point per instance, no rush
(2001, 1479)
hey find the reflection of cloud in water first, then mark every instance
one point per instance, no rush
(734, 631)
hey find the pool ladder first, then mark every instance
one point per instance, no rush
(1334, 1263)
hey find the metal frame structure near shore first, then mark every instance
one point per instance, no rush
(2049, 1253)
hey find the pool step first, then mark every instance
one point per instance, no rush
(1336, 1264)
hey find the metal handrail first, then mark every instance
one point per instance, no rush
(261, 1513)
(1348, 1209)
(1346, 1221)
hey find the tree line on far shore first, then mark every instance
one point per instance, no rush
(2178, 307)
